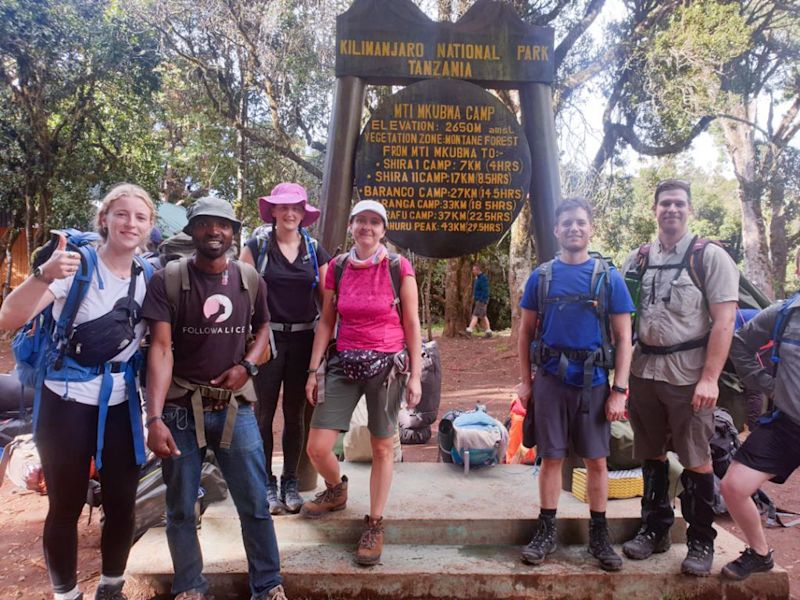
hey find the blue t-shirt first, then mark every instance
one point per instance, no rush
(573, 325)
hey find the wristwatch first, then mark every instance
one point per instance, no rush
(39, 274)
(620, 389)
(252, 369)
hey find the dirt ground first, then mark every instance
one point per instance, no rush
(475, 370)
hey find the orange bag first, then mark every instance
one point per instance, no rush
(517, 453)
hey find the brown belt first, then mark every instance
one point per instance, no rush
(209, 404)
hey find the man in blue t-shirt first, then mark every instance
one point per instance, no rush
(480, 298)
(573, 403)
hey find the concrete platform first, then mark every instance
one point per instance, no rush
(448, 536)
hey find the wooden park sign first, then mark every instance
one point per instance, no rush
(451, 164)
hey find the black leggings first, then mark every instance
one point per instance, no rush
(289, 367)
(66, 440)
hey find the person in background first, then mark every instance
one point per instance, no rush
(294, 266)
(480, 298)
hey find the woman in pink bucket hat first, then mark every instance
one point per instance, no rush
(292, 263)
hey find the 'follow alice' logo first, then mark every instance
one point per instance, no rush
(217, 308)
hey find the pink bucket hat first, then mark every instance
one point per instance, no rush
(288, 193)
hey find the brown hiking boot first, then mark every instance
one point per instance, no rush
(370, 545)
(332, 498)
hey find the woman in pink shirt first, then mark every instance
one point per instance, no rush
(370, 333)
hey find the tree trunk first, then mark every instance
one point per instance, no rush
(458, 295)
(520, 263)
(740, 144)
(779, 250)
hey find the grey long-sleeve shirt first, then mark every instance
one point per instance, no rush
(785, 385)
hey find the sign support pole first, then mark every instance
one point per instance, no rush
(337, 179)
(536, 103)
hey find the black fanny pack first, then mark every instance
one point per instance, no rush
(98, 341)
(362, 365)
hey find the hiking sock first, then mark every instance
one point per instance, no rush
(548, 512)
(111, 581)
(468, 330)
(73, 594)
(597, 515)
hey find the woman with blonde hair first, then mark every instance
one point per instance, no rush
(89, 399)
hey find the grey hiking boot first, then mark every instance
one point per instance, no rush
(290, 497)
(748, 563)
(543, 542)
(110, 592)
(600, 546)
(645, 544)
(275, 505)
(699, 558)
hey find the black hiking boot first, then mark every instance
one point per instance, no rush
(543, 542)
(600, 546)
(699, 558)
(275, 505)
(748, 563)
(697, 506)
(657, 515)
(645, 544)
(290, 497)
(110, 592)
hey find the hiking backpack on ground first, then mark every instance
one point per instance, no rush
(472, 438)
(415, 424)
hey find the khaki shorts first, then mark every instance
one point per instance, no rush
(663, 419)
(342, 395)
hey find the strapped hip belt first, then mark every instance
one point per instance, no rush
(662, 350)
(203, 398)
(292, 327)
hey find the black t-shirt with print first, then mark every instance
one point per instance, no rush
(291, 297)
(211, 334)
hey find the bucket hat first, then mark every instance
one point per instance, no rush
(374, 206)
(288, 193)
(211, 207)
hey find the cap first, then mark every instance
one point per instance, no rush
(365, 205)
(211, 207)
(288, 193)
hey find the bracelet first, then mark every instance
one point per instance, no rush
(310, 371)
(620, 389)
(153, 419)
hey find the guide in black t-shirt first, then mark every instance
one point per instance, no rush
(293, 265)
(200, 358)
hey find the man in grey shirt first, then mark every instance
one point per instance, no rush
(771, 452)
(684, 331)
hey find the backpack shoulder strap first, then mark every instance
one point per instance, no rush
(263, 252)
(695, 266)
(79, 288)
(176, 280)
(145, 265)
(543, 285)
(338, 271)
(311, 248)
(396, 277)
(782, 320)
(643, 258)
(250, 279)
(600, 290)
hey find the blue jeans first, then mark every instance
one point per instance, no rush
(245, 472)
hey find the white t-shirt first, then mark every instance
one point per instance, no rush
(97, 303)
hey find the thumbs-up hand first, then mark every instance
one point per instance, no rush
(62, 263)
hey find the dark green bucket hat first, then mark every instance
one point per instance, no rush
(211, 207)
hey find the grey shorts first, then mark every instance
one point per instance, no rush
(663, 419)
(479, 310)
(342, 395)
(559, 422)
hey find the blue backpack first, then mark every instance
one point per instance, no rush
(44, 348)
(789, 306)
(261, 261)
